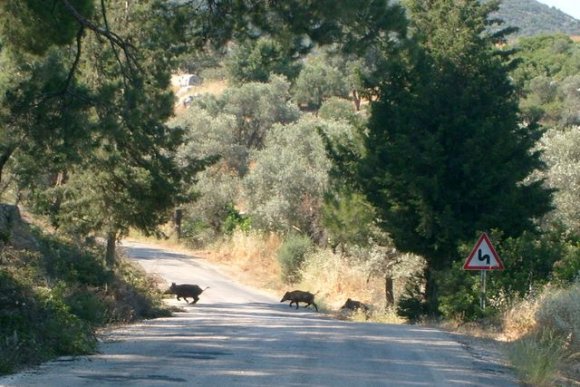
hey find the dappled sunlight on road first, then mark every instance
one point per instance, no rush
(236, 336)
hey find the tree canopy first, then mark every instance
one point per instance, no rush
(90, 96)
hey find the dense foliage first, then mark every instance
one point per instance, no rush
(548, 78)
(88, 108)
(257, 61)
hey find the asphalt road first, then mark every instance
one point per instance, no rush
(238, 336)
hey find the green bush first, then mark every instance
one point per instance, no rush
(36, 325)
(87, 305)
(196, 233)
(73, 264)
(411, 305)
(529, 261)
(459, 293)
(62, 332)
(136, 294)
(291, 256)
(566, 269)
(51, 302)
(234, 220)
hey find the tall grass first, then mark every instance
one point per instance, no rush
(252, 258)
(559, 311)
(536, 357)
(520, 319)
(338, 279)
(546, 332)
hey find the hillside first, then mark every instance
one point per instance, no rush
(534, 18)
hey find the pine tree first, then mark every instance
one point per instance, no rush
(447, 153)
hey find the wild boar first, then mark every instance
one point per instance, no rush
(355, 306)
(298, 296)
(185, 290)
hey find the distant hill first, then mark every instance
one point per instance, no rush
(534, 18)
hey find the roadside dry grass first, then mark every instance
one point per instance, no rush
(251, 259)
(539, 336)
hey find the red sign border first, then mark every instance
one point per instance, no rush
(472, 254)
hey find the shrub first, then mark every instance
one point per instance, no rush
(546, 328)
(50, 303)
(73, 264)
(87, 305)
(411, 304)
(62, 332)
(529, 261)
(196, 233)
(519, 319)
(459, 291)
(567, 268)
(235, 220)
(292, 255)
(37, 325)
(559, 311)
(135, 295)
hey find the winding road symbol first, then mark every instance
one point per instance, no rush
(485, 257)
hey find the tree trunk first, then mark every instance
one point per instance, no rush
(356, 99)
(110, 253)
(177, 217)
(5, 155)
(432, 303)
(59, 180)
(389, 292)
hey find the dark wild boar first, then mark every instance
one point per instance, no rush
(184, 291)
(298, 296)
(355, 306)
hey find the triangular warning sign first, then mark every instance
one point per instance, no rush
(483, 256)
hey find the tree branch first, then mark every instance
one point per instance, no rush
(115, 40)
(77, 58)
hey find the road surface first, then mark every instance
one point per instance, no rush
(238, 336)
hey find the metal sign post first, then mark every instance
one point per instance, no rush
(482, 295)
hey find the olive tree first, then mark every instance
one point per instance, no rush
(286, 185)
(562, 155)
(317, 82)
(225, 130)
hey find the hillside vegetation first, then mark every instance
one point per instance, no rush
(55, 294)
(535, 18)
